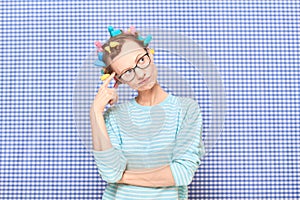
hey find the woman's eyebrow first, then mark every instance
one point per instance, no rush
(138, 57)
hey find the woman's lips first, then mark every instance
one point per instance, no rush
(143, 81)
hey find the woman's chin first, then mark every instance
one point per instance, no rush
(147, 86)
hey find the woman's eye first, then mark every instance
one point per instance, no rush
(142, 60)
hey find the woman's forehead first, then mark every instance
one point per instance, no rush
(130, 45)
(129, 51)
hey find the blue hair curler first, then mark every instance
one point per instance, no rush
(113, 32)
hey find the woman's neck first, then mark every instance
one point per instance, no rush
(151, 97)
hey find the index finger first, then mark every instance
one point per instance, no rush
(106, 82)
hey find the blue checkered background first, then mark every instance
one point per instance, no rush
(254, 45)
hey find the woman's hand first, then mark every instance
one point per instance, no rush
(104, 96)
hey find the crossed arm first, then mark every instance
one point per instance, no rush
(154, 177)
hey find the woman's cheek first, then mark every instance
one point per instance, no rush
(152, 81)
(150, 72)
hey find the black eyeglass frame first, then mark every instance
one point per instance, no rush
(136, 66)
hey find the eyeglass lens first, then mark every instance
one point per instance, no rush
(142, 63)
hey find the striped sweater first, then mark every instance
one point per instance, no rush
(149, 137)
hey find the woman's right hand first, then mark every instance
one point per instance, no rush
(104, 96)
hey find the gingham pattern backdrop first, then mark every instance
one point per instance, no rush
(254, 44)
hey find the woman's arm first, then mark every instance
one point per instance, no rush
(109, 158)
(100, 136)
(104, 95)
(154, 177)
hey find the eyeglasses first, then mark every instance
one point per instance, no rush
(142, 63)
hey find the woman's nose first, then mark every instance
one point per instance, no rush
(140, 73)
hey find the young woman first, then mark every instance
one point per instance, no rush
(149, 147)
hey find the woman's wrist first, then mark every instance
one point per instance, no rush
(95, 111)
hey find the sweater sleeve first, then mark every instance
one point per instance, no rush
(111, 163)
(189, 147)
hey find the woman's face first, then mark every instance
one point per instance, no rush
(131, 55)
